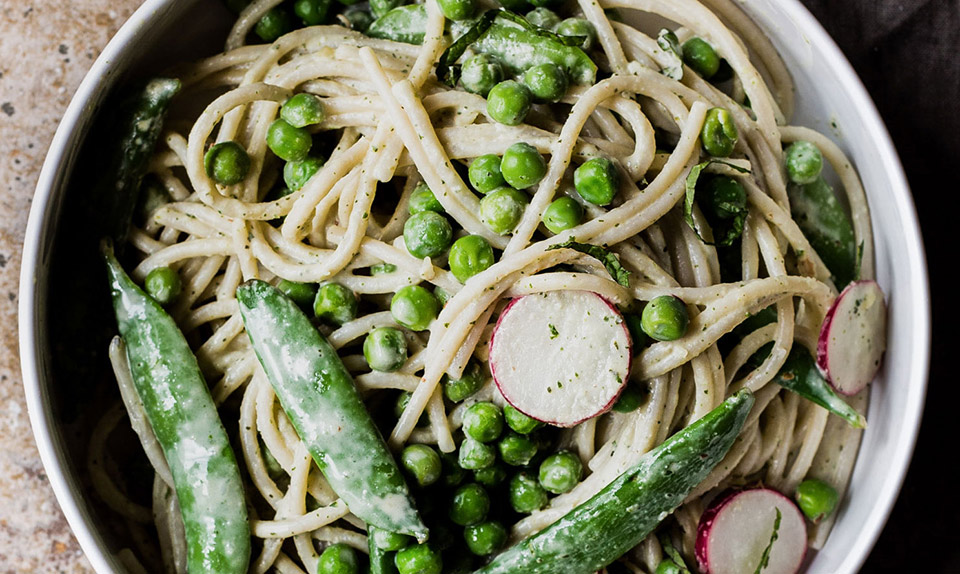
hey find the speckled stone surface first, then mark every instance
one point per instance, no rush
(46, 48)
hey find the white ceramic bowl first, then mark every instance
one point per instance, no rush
(830, 99)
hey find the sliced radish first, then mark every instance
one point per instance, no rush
(734, 532)
(560, 357)
(853, 337)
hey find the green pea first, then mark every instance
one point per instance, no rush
(630, 399)
(546, 3)
(665, 318)
(303, 294)
(668, 567)
(493, 475)
(418, 559)
(414, 307)
(597, 181)
(338, 559)
(163, 284)
(453, 473)
(385, 349)
(484, 173)
(701, 57)
(390, 541)
(469, 255)
(485, 538)
(403, 399)
(638, 338)
(153, 196)
(475, 455)
(517, 450)
(422, 199)
(297, 173)
(562, 214)
(466, 386)
(422, 463)
(526, 494)
(560, 472)
(502, 209)
(523, 166)
(312, 12)
(335, 304)
(458, 9)
(508, 102)
(226, 163)
(303, 110)
(816, 499)
(519, 422)
(578, 27)
(275, 23)
(723, 198)
(470, 505)
(543, 17)
(382, 269)
(483, 422)
(441, 295)
(804, 162)
(427, 234)
(288, 142)
(547, 82)
(480, 73)
(359, 18)
(719, 133)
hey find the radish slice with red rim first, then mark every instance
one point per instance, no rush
(560, 357)
(853, 337)
(736, 530)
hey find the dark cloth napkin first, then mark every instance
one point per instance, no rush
(907, 53)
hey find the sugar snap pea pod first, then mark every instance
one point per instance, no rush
(118, 191)
(618, 517)
(520, 49)
(407, 24)
(800, 375)
(187, 426)
(826, 225)
(518, 45)
(319, 397)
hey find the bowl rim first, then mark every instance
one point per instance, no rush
(916, 272)
(99, 78)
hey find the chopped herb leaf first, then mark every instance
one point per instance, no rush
(765, 559)
(735, 228)
(670, 45)
(673, 554)
(605, 256)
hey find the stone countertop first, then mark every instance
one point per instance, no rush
(45, 50)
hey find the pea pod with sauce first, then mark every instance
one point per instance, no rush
(617, 518)
(318, 395)
(185, 421)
